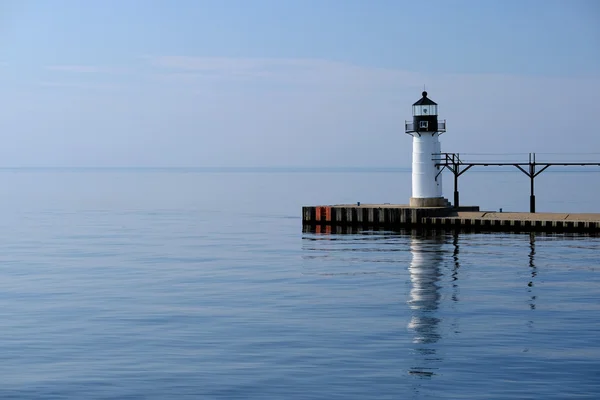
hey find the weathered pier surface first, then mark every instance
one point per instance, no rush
(390, 216)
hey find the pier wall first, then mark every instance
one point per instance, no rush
(383, 215)
(396, 217)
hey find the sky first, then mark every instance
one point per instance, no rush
(292, 83)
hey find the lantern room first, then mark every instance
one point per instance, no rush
(425, 117)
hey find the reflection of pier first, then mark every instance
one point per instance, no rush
(427, 257)
(533, 269)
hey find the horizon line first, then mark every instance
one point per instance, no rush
(211, 167)
(275, 169)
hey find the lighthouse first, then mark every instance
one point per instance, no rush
(426, 175)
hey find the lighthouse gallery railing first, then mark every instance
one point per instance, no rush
(410, 126)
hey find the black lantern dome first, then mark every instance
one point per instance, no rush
(425, 117)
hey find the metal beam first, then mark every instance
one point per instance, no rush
(452, 162)
(541, 170)
(485, 164)
(466, 169)
(525, 172)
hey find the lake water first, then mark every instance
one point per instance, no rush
(155, 284)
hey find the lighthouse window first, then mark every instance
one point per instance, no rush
(424, 124)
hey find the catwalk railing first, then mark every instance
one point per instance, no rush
(531, 168)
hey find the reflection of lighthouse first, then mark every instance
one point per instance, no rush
(427, 257)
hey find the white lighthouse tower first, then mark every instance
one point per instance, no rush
(426, 176)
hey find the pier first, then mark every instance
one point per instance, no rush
(429, 209)
(398, 217)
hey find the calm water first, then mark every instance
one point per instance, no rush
(150, 284)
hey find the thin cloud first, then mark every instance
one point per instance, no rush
(289, 71)
(84, 69)
(86, 86)
(188, 69)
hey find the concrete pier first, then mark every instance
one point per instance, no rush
(394, 217)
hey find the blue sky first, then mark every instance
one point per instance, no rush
(291, 83)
